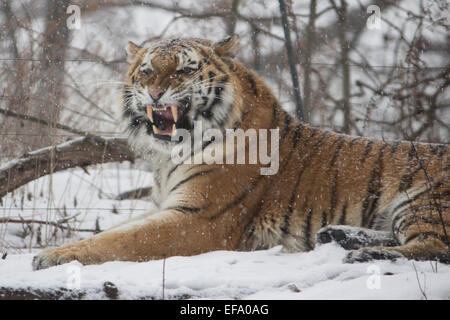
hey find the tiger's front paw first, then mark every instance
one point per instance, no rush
(369, 254)
(53, 257)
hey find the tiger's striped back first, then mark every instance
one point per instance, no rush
(325, 178)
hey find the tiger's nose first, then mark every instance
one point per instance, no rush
(155, 94)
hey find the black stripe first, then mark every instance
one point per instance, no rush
(211, 60)
(425, 235)
(333, 197)
(305, 164)
(229, 63)
(412, 152)
(287, 121)
(185, 209)
(285, 227)
(438, 149)
(394, 147)
(369, 147)
(324, 219)
(217, 99)
(199, 173)
(407, 180)
(340, 141)
(443, 150)
(137, 122)
(128, 113)
(406, 223)
(410, 200)
(218, 89)
(239, 198)
(127, 94)
(307, 230)
(406, 202)
(373, 190)
(343, 215)
(275, 115)
(354, 140)
(434, 148)
(211, 75)
(252, 82)
(297, 135)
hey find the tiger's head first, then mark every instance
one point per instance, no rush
(172, 83)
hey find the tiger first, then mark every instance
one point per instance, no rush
(378, 199)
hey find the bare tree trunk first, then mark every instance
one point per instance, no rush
(54, 45)
(256, 49)
(342, 26)
(231, 22)
(291, 59)
(310, 39)
(17, 92)
(9, 26)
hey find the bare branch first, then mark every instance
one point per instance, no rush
(13, 114)
(56, 224)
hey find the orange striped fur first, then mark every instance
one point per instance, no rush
(400, 188)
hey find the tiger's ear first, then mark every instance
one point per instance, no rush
(227, 46)
(131, 49)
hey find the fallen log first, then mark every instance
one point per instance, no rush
(80, 152)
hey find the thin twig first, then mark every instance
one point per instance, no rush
(57, 224)
(34, 119)
(431, 187)
(164, 279)
(418, 282)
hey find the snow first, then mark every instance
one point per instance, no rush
(267, 274)
(88, 196)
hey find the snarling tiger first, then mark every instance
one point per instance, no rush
(380, 200)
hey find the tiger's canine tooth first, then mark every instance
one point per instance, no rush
(156, 130)
(150, 112)
(174, 110)
(174, 130)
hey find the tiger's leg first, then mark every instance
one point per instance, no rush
(159, 235)
(421, 226)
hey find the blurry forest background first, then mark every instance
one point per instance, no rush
(381, 74)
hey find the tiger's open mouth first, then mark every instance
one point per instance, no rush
(166, 118)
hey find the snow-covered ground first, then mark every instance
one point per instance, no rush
(269, 274)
